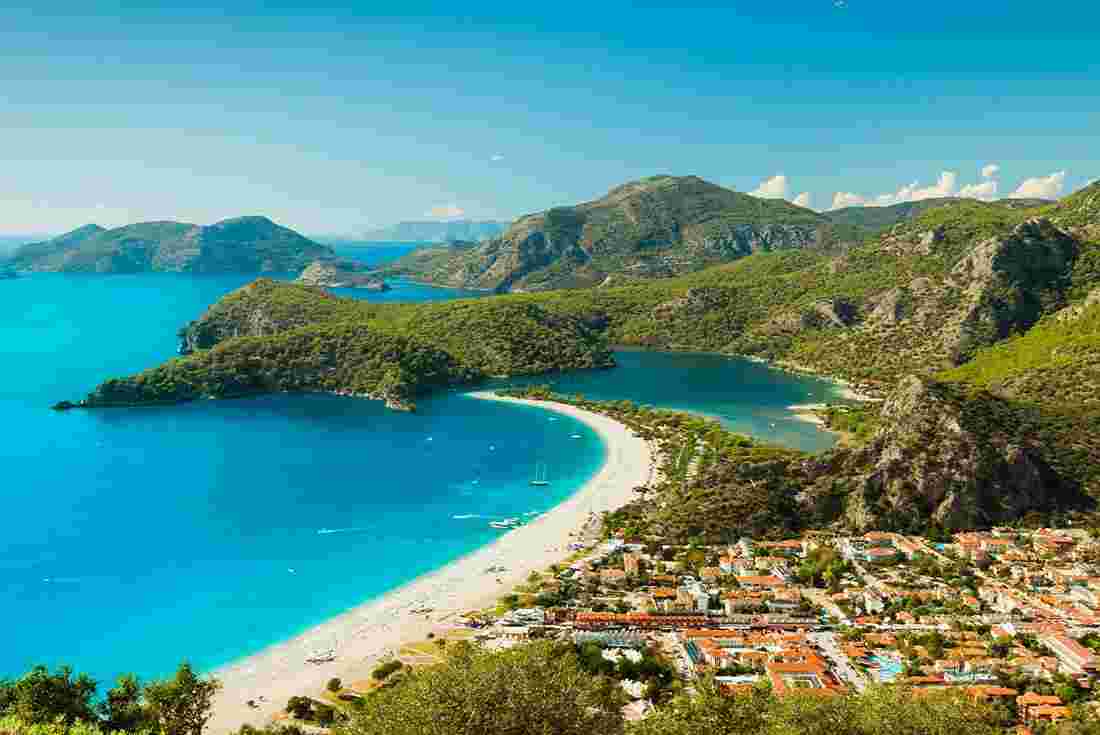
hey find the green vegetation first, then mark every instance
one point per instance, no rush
(244, 244)
(537, 688)
(879, 711)
(310, 341)
(59, 703)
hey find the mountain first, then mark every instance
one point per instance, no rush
(978, 324)
(658, 226)
(434, 231)
(877, 219)
(244, 244)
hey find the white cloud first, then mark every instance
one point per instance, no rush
(985, 190)
(803, 200)
(990, 171)
(1041, 187)
(847, 199)
(496, 157)
(445, 211)
(773, 188)
(944, 187)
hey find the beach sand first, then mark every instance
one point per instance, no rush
(362, 635)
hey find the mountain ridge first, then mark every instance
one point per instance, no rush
(661, 225)
(240, 244)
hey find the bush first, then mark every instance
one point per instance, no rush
(384, 670)
(334, 685)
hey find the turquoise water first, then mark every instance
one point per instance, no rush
(745, 396)
(134, 538)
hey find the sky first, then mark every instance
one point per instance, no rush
(335, 120)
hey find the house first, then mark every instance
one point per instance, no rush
(631, 563)
(1073, 658)
(813, 676)
(756, 583)
(880, 555)
(788, 549)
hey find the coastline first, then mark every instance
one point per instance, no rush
(364, 634)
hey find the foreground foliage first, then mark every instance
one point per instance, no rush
(538, 689)
(58, 703)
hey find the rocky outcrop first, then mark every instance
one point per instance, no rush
(341, 274)
(939, 456)
(1008, 284)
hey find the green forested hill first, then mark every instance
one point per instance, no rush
(243, 244)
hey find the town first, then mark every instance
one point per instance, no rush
(1007, 616)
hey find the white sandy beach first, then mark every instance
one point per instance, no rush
(362, 635)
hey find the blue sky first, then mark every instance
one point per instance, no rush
(337, 119)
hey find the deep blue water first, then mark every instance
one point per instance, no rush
(134, 538)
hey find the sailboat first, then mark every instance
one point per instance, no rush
(540, 475)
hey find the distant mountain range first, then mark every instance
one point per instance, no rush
(656, 227)
(243, 244)
(433, 231)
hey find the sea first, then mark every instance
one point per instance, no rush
(133, 539)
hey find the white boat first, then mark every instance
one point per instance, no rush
(540, 475)
(506, 523)
(575, 436)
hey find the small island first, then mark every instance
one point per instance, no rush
(341, 274)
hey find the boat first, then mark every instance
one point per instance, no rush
(575, 436)
(540, 475)
(506, 523)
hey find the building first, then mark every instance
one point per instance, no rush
(631, 563)
(1073, 658)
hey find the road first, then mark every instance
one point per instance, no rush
(842, 665)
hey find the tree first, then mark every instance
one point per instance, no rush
(40, 696)
(123, 709)
(181, 705)
(537, 688)
(300, 707)
(334, 684)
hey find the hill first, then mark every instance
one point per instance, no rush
(435, 231)
(660, 226)
(876, 219)
(276, 337)
(244, 244)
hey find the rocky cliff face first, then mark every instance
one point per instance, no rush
(654, 227)
(1008, 283)
(940, 455)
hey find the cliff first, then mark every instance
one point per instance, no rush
(658, 226)
(244, 244)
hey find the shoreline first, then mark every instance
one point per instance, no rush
(362, 635)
